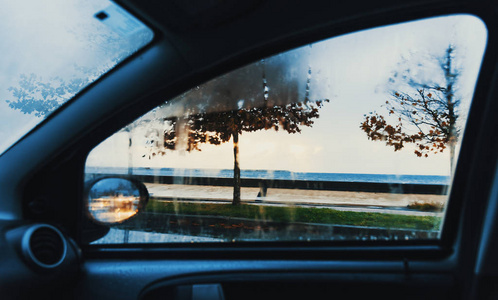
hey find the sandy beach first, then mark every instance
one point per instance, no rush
(290, 196)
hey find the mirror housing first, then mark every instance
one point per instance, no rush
(113, 200)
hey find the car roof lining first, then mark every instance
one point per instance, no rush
(256, 27)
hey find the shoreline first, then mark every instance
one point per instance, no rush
(290, 196)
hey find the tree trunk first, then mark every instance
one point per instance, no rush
(452, 158)
(236, 170)
(452, 116)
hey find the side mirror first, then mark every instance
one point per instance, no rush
(112, 200)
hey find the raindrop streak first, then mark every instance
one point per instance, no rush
(308, 84)
(265, 82)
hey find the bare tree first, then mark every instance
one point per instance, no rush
(425, 114)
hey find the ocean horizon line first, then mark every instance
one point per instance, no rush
(277, 175)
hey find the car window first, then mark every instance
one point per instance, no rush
(54, 49)
(351, 138)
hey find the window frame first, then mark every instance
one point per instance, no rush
(52, 176)
(156, 36)
(55, 161)
(343, 249)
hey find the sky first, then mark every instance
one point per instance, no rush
(351, 70)
(49, 39)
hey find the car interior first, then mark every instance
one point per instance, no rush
(53, 246)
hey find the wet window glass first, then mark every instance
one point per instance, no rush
(51, 50)
(351, 138)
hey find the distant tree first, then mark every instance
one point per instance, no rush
(273, 93)
(220, 127)
(425, 114)
(36, 96)
(40, 96)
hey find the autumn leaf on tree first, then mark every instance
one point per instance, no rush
(426, 113)
(215, 112)
(221, 127)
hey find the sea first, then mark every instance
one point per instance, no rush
(277, 174)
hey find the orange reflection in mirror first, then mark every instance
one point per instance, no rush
(111, 209)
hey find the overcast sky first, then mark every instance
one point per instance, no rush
(352, 71)
(51, 39)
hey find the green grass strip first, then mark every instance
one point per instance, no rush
(297, 214)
